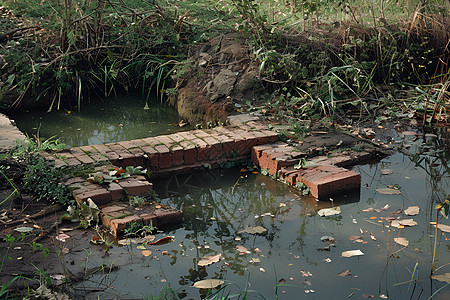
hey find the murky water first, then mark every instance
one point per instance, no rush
(113, 120)
(288, 261)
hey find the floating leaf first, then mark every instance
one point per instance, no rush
(262, 270)
(328, 240)
(402, 241)
(412, 210)
(396, 212)
(387, 171)
(325, 212)
(388, 191)
(443, 227)
(344, 273)
(404, 222)
(208, 283)
(253, 230)
(442, 277)
(242, 250)
(124, 242)
(162, 241)
(209, 259)
(141, 247)
(24, 229)
(146, 253)
(367, 296)
(351, 253)
(354, 237)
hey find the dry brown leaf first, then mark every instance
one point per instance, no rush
(208, 283)
(387, 171)
(404, 222)
(443, 227)
(442, 277)
(242, 250)
(388, 191)
(253, 230)
(209, 259)
(146, 252)
(412, 211)
(402, 241)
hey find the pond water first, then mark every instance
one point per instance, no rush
(100, 122)
(289, 261)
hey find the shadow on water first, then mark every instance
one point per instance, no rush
(101, 122)
(289, 260)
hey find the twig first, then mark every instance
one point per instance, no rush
(46, 211)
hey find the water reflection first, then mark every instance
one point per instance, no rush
(111, 120)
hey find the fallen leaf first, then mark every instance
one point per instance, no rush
(386, 207)
(255, 260)
(387, 171)
(404, 222)
(208, 283)
(307, 282)
(351, 253)
(366, 296)
(146, 253)
(402, 241)
(62, 237)
(162, 241)
(353, 237)
(442, 277)
(282, 281)
(373, 237)
(344, 273)
(124, 242)
(306, 273)
(325, 212)
(253, 230)
(328, 240)
(372, 218)
(412, 211)
(388, 191)
(396, 212)
(262, 270)
(242, 250)
(209, 259)
(57, 276)
(24, 229)
(409, 133)
(141, 247)
(443, 227)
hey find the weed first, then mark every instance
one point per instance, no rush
(138, 228)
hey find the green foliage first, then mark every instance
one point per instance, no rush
(138, 228)
(44, 181)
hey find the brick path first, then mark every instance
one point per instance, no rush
(168, 153)
(185, 151)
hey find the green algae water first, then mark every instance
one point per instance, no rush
(290, 260)
(114, 119)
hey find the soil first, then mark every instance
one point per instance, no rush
(222, 73)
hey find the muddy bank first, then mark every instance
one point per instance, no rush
(222, 72)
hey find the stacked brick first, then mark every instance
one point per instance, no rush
(182, 150)
(324, 179)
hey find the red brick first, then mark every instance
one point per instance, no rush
(273, 136)
(216, 148)
(119, 225)
(100, 196)
(138, 156)
(327, 181)
(168, 216)
(165, 157)
(280, 160)
(152, 157)
(152, 141)
(177, 155)
(136, 187)
(189, 152)
(116, 191)
(257, 152)
(149, 219)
